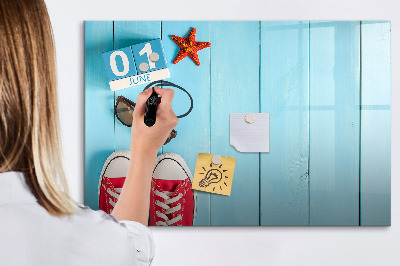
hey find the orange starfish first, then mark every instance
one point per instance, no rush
(189, 47)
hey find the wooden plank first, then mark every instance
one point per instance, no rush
(99, 117)
(334, 123)
(375, 123)
(127, 33)
(194, 130)
(235, 89)
(284, 94)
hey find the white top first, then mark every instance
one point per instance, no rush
(31, 236)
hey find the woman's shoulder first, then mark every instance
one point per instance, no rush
(97, 222)
(86, 214)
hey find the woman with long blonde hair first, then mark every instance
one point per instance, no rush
(40, 224)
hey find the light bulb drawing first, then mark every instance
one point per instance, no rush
(213, 176)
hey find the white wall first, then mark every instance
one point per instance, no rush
(227, 245)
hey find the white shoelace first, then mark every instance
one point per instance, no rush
(166, 195)
(114, 195)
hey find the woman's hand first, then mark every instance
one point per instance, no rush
(134, 201)
(148, 140)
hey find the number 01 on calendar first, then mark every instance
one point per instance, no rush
(135, 65)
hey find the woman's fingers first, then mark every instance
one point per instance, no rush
(167, 95)
(141, 102)
(164, 108)
(158, 90)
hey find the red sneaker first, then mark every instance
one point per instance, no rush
(112, 179)
(172, 200)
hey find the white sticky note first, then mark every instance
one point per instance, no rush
(249, 132)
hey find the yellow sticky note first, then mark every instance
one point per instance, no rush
(214, 174)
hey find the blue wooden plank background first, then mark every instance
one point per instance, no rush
(235, 60)
(99, 116)
(192, 136)
(334, 123)
(375, 123)
(284, 94)
(326, 86)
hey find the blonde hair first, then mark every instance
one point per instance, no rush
(29, 122)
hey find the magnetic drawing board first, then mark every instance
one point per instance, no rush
(325, 85)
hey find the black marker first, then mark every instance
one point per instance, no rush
(151, 109)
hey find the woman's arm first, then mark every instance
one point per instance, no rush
(133, 203)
